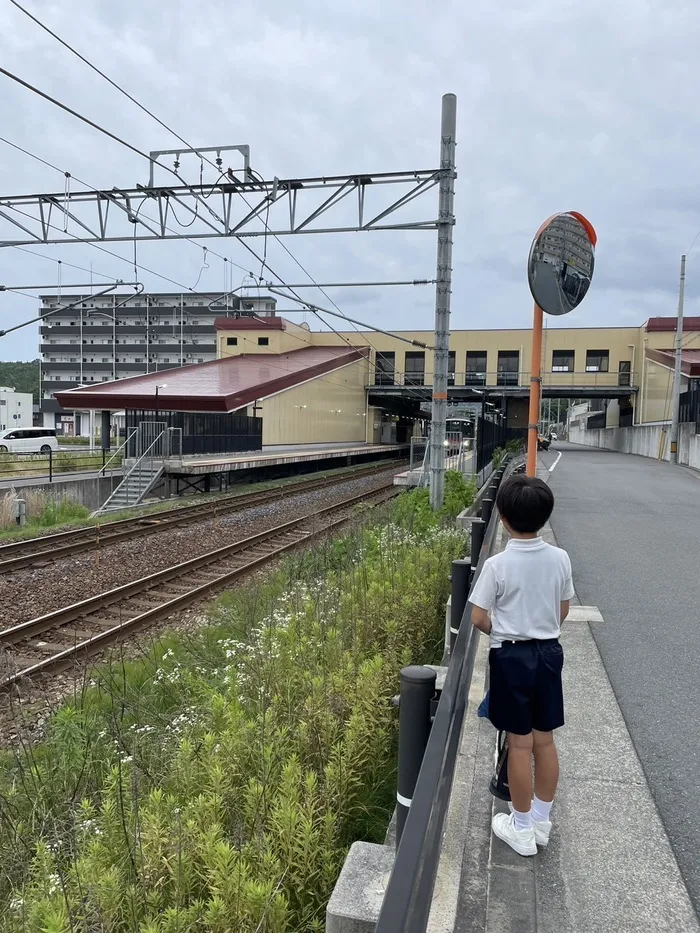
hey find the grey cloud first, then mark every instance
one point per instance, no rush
(560, 107)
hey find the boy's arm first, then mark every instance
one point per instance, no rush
(567, 592)
(483, 598)
(481, 620)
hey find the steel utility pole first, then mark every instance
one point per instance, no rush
(443, 289)
(677, 369)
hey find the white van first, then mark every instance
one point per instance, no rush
(28, 440)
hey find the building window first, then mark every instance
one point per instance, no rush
(232, 341)
(269, 306)
(451, 368)
(476, 368)
(624, 373)
(508, 367)
(562, 361)
(415, 369)
(263, 341)
(384, 369)
(597, 361)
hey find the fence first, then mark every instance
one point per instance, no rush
(690, 406)
(457, 457)
(408, 897)
(491, 435)
(204, 432)
(48, 466)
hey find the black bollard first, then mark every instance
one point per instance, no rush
(461, 575)
(417, 690)
(478, 529)
(486, 506)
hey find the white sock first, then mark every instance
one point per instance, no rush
(522, 820)
(540, 809)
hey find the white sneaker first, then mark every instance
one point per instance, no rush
(542, 829)
(521, 841)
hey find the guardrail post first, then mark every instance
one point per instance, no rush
(478, 529)
(486, 506)
(461, 574)
(50, 466)
(417, 690)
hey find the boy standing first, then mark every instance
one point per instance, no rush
(520, 600)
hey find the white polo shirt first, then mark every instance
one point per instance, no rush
(522, 588)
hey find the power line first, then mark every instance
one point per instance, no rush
(185, 288)
(118, 87)
(80, 181)
(114, 137)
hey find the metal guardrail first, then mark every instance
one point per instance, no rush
(408, 898)
(20, 465)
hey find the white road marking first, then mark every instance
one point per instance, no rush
(555, 462)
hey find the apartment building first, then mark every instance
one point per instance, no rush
(16, 408)
(113, 337)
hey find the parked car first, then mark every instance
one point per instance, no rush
(28, 440)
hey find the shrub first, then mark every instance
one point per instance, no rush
(216, 783)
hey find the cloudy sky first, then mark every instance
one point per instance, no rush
(562, 105)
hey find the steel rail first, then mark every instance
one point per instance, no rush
(20, 554)
(167, 586)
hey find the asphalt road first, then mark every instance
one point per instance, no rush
(631, 526)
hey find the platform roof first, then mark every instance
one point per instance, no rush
(224, 385)
(658, 324)
(690, 360)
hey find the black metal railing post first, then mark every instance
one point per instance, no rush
(51, 466)
(461, 578)
(478, 529)
(486, 506)
(417, 690)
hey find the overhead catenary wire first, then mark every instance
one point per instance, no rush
(202, 157)
(99, 128)
(68, 307)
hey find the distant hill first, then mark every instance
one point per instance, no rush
(24, 377)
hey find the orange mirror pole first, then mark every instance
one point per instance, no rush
(533, 421)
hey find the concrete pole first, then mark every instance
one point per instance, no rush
(443, 288)
(677, 370)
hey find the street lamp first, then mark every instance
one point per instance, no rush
(162, 385)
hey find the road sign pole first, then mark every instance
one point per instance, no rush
(677, 369)
(535, 391)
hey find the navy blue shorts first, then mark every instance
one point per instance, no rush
(525, 686)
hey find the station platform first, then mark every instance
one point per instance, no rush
(217, 471)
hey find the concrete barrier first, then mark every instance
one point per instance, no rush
(90, 492)
(645, 440)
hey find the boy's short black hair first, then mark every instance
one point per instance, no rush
(525, 502)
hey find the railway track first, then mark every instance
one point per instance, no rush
(54, 641)
(37, 551)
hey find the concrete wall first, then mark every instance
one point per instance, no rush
(645, 440)
(327, 409)
(88, 492)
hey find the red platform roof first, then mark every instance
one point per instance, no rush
(218, 386)
(690, 360)
(656, 324)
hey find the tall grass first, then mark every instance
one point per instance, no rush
(215, 783)
(44, 510)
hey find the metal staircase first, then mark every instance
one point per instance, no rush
(150, 444)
